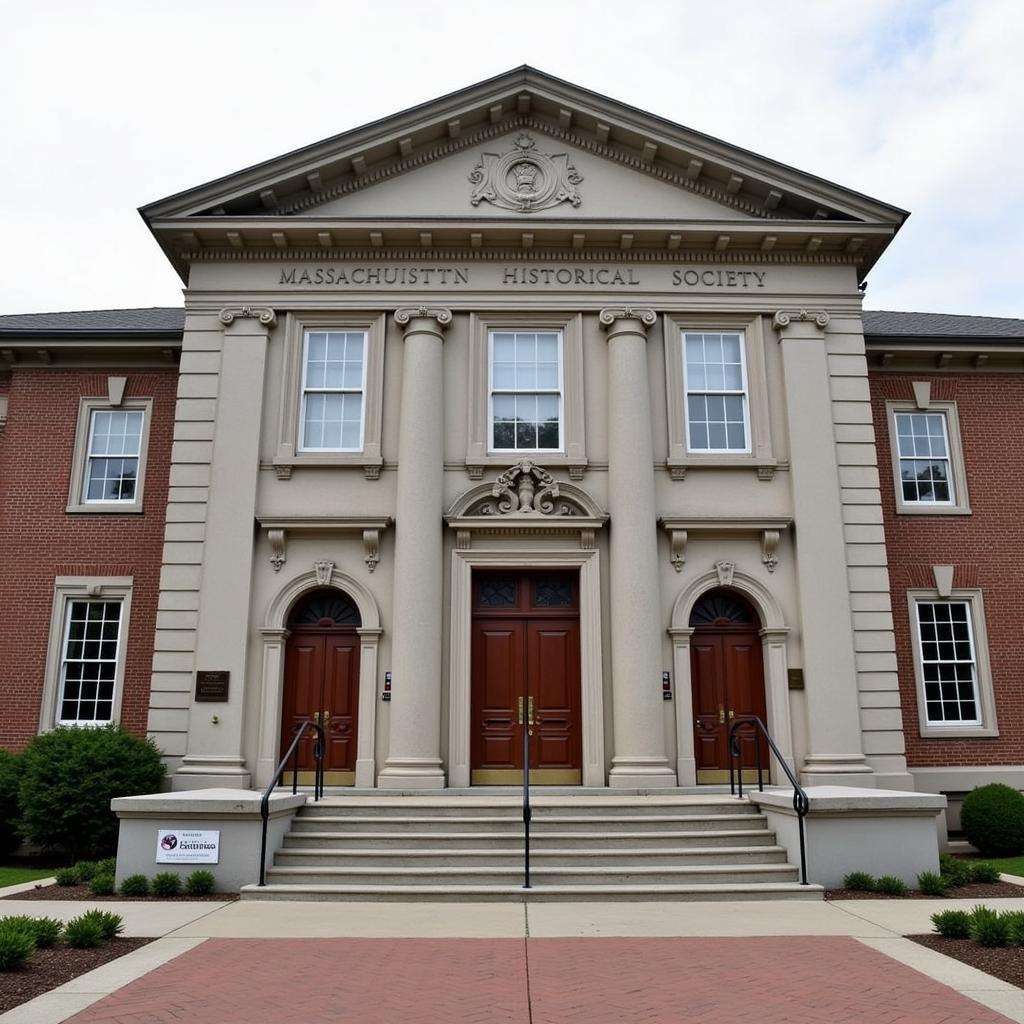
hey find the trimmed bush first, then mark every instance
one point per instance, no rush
(66, 876)
(891, 885)
(957, 871)
(10, 778)
(85, 870)
(102, 885)
(110, 924)
(859, 881)
(167, 883)
(953, 924)
(199, 883)
(1015, 926)
(986, 873)
(107, 866)
(70, 775)
(83, 932)
(17, 944)
(992, 817)
(989, 927)
(932, 884)
(45, 931)
(135, 885)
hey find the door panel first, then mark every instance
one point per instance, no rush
(497, 673)
(708, 697)
(553, 679)
(341, 679)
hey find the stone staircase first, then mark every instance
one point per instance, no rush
(462, 847)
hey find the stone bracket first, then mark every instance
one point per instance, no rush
(680, 532)
(368, 528)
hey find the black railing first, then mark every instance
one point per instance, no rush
(527, 810)
(318, 781)
(801, 803)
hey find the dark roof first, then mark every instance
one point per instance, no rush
(163, 321)
(883, 323)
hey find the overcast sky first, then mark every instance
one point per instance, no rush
(109, 105)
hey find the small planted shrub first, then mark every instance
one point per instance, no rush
(988, 927)
(10, 778)
(17, 944)
(1015, 926)
(166, 884)
(83, 932)
(932, 884)
(982, 872)
(66, 876)
(953, 924)
(102, 885)
(44, 930)
(110, 924)
(992, 817)
(107, 866)
(859, 881)
(958, 872)
(85, 871)
(199, 883)
(891, 885)
(135, 885)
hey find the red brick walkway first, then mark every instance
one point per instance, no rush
(536, 981)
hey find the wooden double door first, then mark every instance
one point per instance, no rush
(525, 692)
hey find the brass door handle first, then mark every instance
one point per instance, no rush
(520, 711)
(529, 711)
(721, 713)
(732, 714)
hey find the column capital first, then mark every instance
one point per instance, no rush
(643, 314)
(814, 319)
(266, 316)
(406, 313)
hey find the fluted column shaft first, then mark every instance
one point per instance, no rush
(414, 747)
(636, 626)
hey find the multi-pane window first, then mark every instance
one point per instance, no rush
(526, 390)
(948, 662)
(714, 376)
(112, 461)
(925, 471)
(88, 671)
(333, 382)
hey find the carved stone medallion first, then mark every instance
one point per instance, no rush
(525, 179)
(526, 489)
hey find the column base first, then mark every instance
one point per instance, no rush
(837, 771)
(641, 773)
(411, 773)
(210, 771)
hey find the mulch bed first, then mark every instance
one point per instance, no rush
(81, 892)
(974, 891)
(51, 967)
(1006, 963)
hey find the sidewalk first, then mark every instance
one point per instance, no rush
(374, 963)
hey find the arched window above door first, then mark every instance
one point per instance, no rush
(327, 608)
(718, 608)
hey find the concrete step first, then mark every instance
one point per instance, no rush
(513, 839)
(354, 824)
(512, 860)
(400, 876)
(541, 894)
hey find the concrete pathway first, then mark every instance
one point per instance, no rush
(375, 963)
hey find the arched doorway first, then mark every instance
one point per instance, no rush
(727, 681)
(321, 681)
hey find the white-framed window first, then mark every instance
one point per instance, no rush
(927, 458)
(108, 469)
(525, 391)
(715, 384)
(954, 682)
(333, 390)
(85, 661)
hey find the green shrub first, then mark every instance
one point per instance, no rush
(83, 932)
(199, 883)
(66, 876)
(1015, 926)
(45, 931)
(109, 924)
(17, 944)
(102, 885)
(10, 778)
(956, 870)
(989, 927)
(932, 884)
(859, 881)
(891, 885)
(986, 873)
(85, 870)
(992, 817)
(135, 885)
(70, 775)
(107, 866)
(953, 924)
(167, 883)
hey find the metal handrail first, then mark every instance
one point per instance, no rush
(801, 802)
(527, 810)
(318, 781)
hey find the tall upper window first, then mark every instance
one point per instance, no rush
(948, 662)
(526, 391)
(89, 662)
(115, 443)
(715, 381)
(333, 382)
(925, 472)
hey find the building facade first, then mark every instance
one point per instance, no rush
(520, 426)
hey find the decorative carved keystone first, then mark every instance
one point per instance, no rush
(324, 571)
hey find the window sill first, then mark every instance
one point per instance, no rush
(933, 510)
(765, 468)
(103, 508)
(370, 464)
(935, 732)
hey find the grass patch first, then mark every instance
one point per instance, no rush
(15, 876)
(1009, 865)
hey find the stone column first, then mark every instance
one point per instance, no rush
(214, 756)
(835, 754)
(414, 746)
(636, 626)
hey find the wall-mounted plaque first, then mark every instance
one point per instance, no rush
(212, 687)
(796, 678)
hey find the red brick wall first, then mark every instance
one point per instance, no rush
(41, 541)
(986, 548)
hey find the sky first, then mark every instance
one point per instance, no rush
(109, 105)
